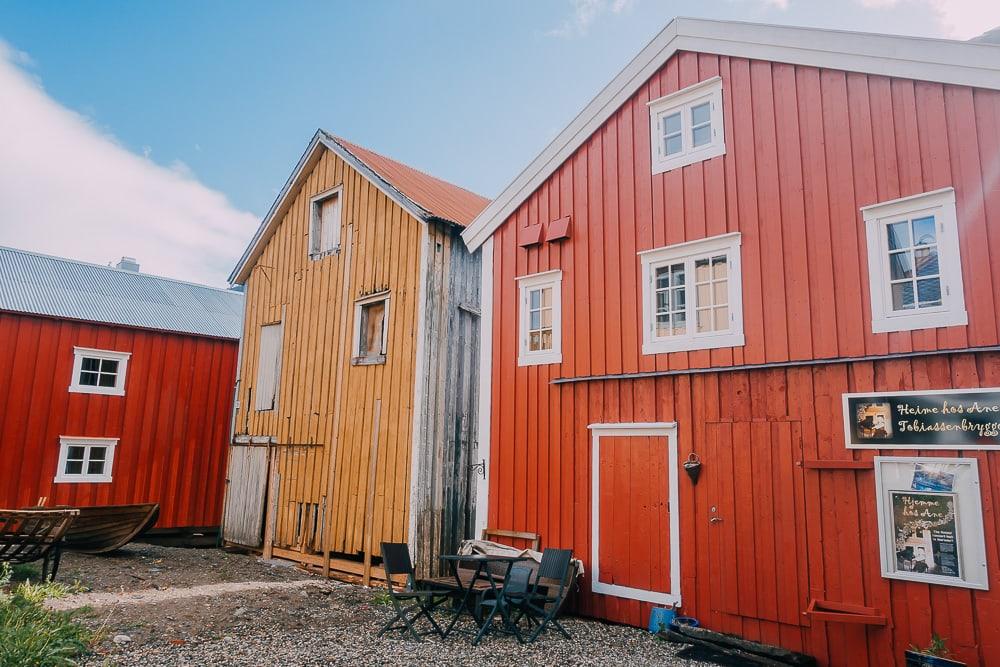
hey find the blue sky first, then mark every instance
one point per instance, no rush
(220, 98)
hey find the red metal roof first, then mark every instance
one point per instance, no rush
(439, 198)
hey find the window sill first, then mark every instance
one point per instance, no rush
(316, 256)
(368, 361)
(912, 322)
(689, 158)
(103, 391)
(690, 344)
(81, 479)
(540, 359)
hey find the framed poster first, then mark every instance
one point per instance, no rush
(929, 419)
(931, 520)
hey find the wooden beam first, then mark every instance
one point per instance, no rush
(370, 494)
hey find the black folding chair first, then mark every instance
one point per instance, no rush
(546, 597)
(409, 602)
(513, 596)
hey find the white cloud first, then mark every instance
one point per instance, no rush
(958, 19)
(68, 189)
(585, 12)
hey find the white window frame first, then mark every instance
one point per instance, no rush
(357, 359)
(951, 312)
(316, 222)
(525, 284)
(81, 353)
(66, 441)
(688, 253)
(682, 101)
(666, 430)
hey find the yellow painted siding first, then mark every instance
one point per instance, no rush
(307, 296)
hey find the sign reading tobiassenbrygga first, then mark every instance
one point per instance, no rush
(929, 419)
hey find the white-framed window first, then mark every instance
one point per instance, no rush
(269, 367)
(85, 459)
(686, 126)
(914, 263)
(371, 330)
(99, 371)
(324, 222)
(540, 318)
(692, 295)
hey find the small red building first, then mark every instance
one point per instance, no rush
(770, 255)
(116, 387)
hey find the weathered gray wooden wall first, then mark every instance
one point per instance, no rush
(443, 500)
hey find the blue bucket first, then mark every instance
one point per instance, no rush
(688, 621)
(660, 618)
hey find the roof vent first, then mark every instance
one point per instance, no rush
(128, 264)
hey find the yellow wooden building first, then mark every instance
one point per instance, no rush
(356, 419)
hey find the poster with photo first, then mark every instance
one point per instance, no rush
(926, 534)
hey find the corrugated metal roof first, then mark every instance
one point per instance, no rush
(439, 198)
(57, 287)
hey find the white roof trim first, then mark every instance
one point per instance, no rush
(284, 199)
(939, 60)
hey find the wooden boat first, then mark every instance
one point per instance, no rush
(104, 528)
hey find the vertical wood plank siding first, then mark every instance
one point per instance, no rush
(805, 149)
(172, 423)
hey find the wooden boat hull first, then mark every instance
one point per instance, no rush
(104, 528)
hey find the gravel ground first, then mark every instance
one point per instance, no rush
(299, 623)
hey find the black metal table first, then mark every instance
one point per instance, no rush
(481, 572)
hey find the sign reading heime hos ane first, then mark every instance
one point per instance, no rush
(929, 419)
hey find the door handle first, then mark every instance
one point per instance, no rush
(715, 519)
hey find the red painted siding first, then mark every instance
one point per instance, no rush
(805, 149)
(172, 422)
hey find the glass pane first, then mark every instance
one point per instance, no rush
(900, 265)
(679, 298)
(701, 273)
(663, 301)
(534, 341)
(720, 269)
(721, 291)
(662, 277)
(98, 453)
(90, 364)
(663, 325)
(547, 339)
(704, 295)
(547, 296)
(927, 261)
(107, 380)
(672, 123)
(89, 379)
(547, 318)
(95, 468)
(923, 231)
(535, 320)
(74, 453)
(74, 467)
(672, 144)
(701, 135)
(534, 298)
(677, 274)
(680, 324)
(721, 318)
(701, 113)
(899, 235)
(902, 296)
(704, 320)
(109, 365)
(929, 292)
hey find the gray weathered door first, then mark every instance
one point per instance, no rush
(243, 515)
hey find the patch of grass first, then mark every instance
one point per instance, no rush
(30, 634)
(381, 596)
(24, 571)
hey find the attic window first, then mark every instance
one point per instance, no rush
(686, 126)
(99, 371)
(324, 227)
(371, 334)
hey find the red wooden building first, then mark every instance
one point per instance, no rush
(116, 387)
(747, 227)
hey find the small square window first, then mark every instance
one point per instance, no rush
(686, 126)
(914, 265)
(372, 330)
(540, 319)
(85, 459)
(692, 295)
(324, 227)
(99, 371)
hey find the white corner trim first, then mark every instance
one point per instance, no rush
(650, 429)
(419, 393)
(80, 353)
(67, 441)
(938, 60)
(526, 357)
(485, 385)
